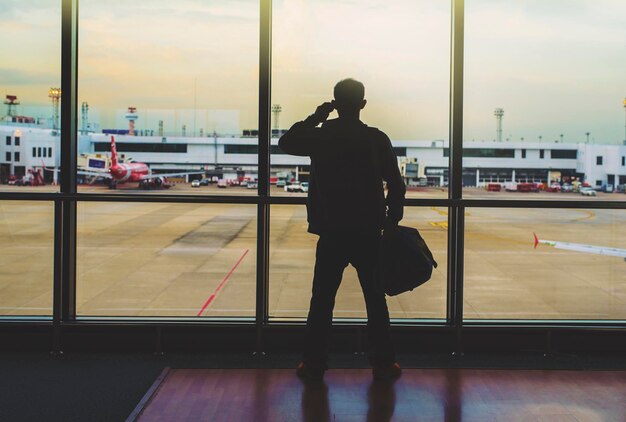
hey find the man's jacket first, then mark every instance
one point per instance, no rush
(349, 162)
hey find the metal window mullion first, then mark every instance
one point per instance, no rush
(455, 193)
(69, 114)
(263, 208)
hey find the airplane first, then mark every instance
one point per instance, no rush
(120, 173)
(579, 247)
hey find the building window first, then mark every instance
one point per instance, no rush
(598, 182)
(49, 151)
(623, 160)
(34, 152)
(523, 153)
(39, 152)
(140, 147)
(249, 149)
(484, 152)
(569, 154)
(541, 153)
(8, 156)
(599, 160)
(8, 140)
(17, 141)
(400, 151)
(44, 152)
(17, 156)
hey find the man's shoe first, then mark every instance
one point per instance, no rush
(387, 372)
(308, 373)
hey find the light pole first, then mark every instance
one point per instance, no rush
(587, 133)
(624, 121)
(561, 135)
(55, 96)
(540, 138)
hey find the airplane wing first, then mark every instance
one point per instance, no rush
(95, 173)
(580, 247)
(155, 175)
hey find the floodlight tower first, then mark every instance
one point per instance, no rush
(131, 116)
(55, 96)
(11, 102)
(624, 121)
(84, 117)
(276, 109)
(499, 112)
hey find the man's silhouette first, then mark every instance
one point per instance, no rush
(347, 208)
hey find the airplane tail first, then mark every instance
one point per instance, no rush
(113, 152)
(536, 240)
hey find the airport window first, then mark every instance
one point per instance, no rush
(49, 151)
(147, 147)
(523, 153)
(8, 139)
(598, 182)
(599, 160)
(563, 153)
(17, 156)
(17, 141)
(34, 151)
(541, 153)
(8, 156)
(44, 152)
(38, 151)
(623, 160)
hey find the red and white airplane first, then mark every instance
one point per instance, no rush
(120, 173)
(579, 247)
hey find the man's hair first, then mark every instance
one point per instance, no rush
(349, 93)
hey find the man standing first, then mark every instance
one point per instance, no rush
(347, 208)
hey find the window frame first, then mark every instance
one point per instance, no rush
(64, 312)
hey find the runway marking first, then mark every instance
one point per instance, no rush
(440, 224)
(442, 212)
(219, 287)
(590, 214)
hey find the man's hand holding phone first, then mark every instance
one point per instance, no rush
(323, 110)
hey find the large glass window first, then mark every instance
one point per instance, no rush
(26, 257)
(573, 268)
(544, 76)
(400, 50)
(159, 259)
(292, 258)
(30, 76)
(173, 84)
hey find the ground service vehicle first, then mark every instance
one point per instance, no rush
(195, 183)
(587, 192)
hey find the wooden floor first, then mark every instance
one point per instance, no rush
(420, 395)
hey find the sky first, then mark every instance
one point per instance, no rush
(555, 67)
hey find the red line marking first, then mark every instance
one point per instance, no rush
(222, 284)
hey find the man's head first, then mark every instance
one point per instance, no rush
(349, 96)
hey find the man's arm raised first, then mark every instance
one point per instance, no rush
(301, 138)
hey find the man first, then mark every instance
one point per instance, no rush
(347, 208)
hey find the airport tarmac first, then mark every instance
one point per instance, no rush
(195, 260)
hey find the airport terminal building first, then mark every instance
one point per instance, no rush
(27, 147)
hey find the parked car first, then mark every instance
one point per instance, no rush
(587, 192)
(222, 183)
(281, 183)
(294, 187)
(195, 183)
(205, 182)
(566, 187)
(608, 188)
(304, 186)
(252, 185)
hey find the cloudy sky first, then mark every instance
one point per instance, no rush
(555, 66)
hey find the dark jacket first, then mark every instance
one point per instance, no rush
(349, 162)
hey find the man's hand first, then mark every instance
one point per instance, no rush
(322, 111)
